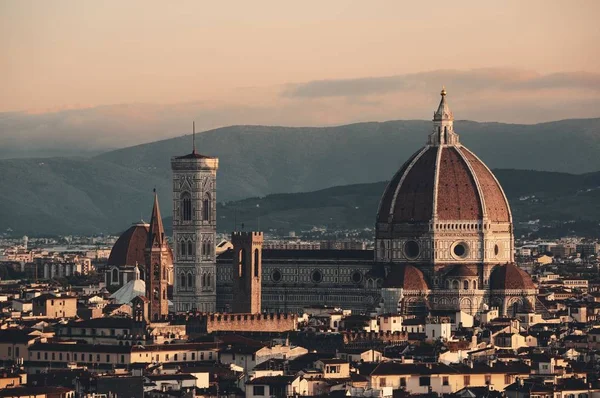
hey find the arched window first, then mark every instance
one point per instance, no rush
(115, 275)
(256, 262)
(474, 284)
(190, 249)
(447, 284)
(182, 287)
(186, 207)
(466, 285)
(455, 284)
(206, 208)
(190, 280)
(242, 263)
(203, 280)
(183, 248)
(208, 280)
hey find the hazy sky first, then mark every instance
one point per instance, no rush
(302, 62)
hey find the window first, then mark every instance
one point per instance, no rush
(467, 380)
(258, 390)
(17, 352)
(256, 262)
(186, 207)
(10, 352)
(445, 381)
(466, 285)
(488, 380)
(107, 358)
(206, 208)
(53, 356)
(122, 358)
(182, 287)
(60, 356)
(242, 263)
(38, 355)
(424, 381)
(382, 382)
(115, 275)
(403, 382)
(190, 280)
(75, 356)
(183, 250)
(193, 356)
(190, 249)
(175, 357)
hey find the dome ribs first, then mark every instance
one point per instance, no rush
(457, 196)
(495, 201)
(414, 200)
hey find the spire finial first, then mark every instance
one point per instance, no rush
(194, 137)
(443, 93)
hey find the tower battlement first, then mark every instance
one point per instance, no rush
(243, 237)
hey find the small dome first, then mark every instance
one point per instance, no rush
(405, 276)
(509, 276)
(462, 271)
(130, 248)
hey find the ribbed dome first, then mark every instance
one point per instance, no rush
(405, 276)
(466, 189)
(443, 179)
(509, 276)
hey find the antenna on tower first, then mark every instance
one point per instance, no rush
(194, 136)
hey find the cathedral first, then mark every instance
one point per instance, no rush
(443, 242)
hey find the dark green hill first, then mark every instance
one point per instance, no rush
(563, 204)
(108, 192)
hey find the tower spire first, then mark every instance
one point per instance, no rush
(194, 137)
(156, 234)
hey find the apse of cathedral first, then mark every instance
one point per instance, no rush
(443, 243)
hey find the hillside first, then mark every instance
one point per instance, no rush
(259, 160)
(564, 204)
(107, 192)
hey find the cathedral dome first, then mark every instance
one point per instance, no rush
(407, 277)
(443, 181)
(130, 248)
(509, 276)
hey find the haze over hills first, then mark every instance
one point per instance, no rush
(107, 192)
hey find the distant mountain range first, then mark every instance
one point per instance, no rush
(107, 192)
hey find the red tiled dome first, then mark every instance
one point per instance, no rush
(407, 277)
(443, 179)
(466, 189)
(130, 248)
(509, 276)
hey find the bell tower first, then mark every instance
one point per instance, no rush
(194, 231)
(157, 258)
(247, 272)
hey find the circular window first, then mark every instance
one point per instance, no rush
(460, 250)
(356, 277)
(276, 276)
(496, 250)
(316, 276)
(411, 249)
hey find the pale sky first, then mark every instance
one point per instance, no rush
(285, 61)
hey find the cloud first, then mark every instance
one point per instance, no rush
(503, 95)
(471, 80)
